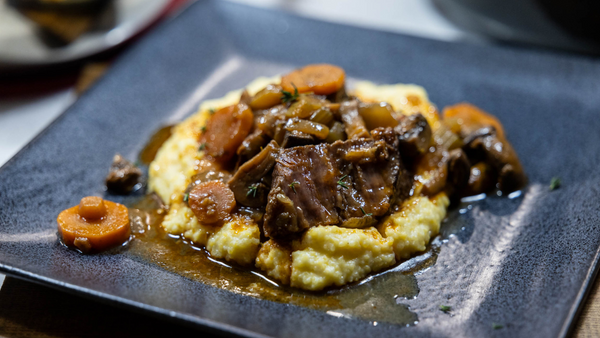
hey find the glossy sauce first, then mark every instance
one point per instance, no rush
(376, 298)
(159, 137)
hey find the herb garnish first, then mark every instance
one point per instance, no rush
(291, 185)
(445, 308)
(186, 197)
(211, 111)
(554, 183)
(289, 97)
(202, 146)
(203, 129)
(497, 326)
(342, 184)
(364, 213)
(252, 190)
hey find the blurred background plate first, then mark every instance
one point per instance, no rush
(22, 44)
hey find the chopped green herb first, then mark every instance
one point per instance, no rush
(203, 129)
(186, 197)
(554, 183)
(252, 190)
(342, 184)
(211, 111)
(292, 185)
(202, 146)
(364, 213)
(137, 163)
(289, 97)
(497, 326)
(445, 308)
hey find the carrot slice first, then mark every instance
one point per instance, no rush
(321, 79)
(94, 225)
(470, 118)
(226, 130)
(211, 201)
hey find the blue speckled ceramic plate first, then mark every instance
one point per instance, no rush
(524, 262)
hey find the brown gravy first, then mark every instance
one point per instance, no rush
(377, 298)
(159, 137)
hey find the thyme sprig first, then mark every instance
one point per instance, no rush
(554, 183)
(292, 185)
(342, 184)
(252, 190)
(364, 213)
(288, 96)
(202, 146)
(445, 308)
(211, 111)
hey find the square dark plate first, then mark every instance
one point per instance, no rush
(525, 262)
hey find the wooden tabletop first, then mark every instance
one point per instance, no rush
(588, 325)
(32, 310)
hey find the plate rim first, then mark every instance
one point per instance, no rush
(200, 323)
(209, 325)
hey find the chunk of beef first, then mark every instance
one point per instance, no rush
(443, 170)
(267, 120)
(404, 180)
(368, 172)
(482, 178)
(414, 135)
(251, 146)
(304, 192)
(281, 218)
(297, 138)
(471, 135)
(123, 176)
(347, 182)
(354, 124)
(431, 170)
(459, 169)
(499, 153)
(251, 184)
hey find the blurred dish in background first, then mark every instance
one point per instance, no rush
(44, 32)
(61, 22)
(565, 24)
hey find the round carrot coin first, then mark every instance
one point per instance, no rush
(321, 79)
(94, 225)
(211, 201)
(226, 130)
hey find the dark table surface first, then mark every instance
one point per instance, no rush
(31, 310)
